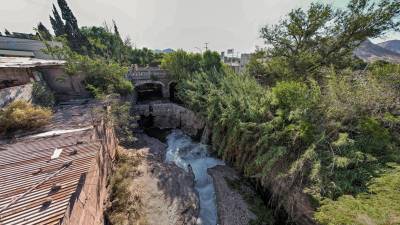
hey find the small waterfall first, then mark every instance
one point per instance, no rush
(184, 152)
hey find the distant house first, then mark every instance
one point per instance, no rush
(18, 47)
(237, 64)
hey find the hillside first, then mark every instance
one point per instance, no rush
(392, 45)
(371, 52)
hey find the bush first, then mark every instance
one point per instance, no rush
(380, 205)
(329, 140)
(42, 95)
(21, 115)
(101, 77)
(124, 121)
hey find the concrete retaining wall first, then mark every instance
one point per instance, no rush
(64, 86)
(22, 92)
(169, 115)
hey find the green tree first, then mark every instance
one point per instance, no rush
(57, 23)
(77, 41)
(181, 64)
(43, 32)
(211, 61)
(256, 67)
(307, 40)
(7, 33)
(116, 30)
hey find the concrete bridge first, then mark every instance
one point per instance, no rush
(152, 84)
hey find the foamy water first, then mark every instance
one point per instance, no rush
(183, 151)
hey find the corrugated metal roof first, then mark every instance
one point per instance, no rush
(16, 53)
(20, 44)
(26, 164)
(27, 173)
(22, 62)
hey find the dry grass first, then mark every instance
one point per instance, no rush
(22, 115)
(125, 205)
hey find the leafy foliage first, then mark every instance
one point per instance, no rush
(329, 140)
(322, 36)
(123, 121)
(102, 77)
(43, 32)
(69, 28)
(182, 64)
(22, 115)
(379, 205)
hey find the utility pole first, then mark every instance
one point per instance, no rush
(206, 45)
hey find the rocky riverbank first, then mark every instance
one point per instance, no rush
(166, 191)
(237, 202)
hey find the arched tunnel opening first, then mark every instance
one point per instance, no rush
(149, 92)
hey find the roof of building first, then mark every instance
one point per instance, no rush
(16, 53)
(20, 44)
(23, 62)
(36, 189)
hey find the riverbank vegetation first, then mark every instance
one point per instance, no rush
(125, 205)
(323, 122)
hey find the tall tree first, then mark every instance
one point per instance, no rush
(77, 41)
(57, 23)
(43, 32)
(7, 33)
(116, 31)
(307, 40)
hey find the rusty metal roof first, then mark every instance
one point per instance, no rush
(27, 163)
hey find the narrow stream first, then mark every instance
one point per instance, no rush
(183, 151)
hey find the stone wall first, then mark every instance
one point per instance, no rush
(171, 116)
(87, 207)
(10, 77)
(64, 86)
(22, 92)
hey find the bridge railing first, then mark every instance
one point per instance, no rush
(147, 74)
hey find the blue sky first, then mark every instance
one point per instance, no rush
(159, 24)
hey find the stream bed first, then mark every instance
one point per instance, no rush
(186, 153)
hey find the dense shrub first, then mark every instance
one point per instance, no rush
(182, 64)
(101, 77)
(379, 205)
(329, 140)
(124, 121)
(21, 115)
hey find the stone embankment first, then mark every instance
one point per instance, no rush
(172, 116)
(231, 204)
